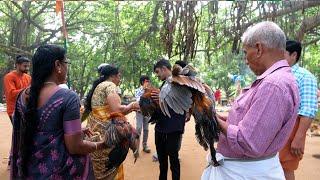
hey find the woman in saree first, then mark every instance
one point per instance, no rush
(101, 102)
(47, 139)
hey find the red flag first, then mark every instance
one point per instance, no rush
(59, 4)
(60, 8)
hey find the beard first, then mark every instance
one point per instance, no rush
(24, 71)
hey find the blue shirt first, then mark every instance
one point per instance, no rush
(307, 84)
(138, 93)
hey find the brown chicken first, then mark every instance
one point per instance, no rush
(182, 92)
(120, 136)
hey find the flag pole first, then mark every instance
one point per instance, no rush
(60, 8)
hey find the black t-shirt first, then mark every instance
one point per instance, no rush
(166, 124)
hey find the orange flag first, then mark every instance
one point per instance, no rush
(59, 4)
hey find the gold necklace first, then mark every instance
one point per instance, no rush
(49, 82)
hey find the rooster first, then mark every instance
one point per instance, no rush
(183, 92)
(120, 136)
(148, 106)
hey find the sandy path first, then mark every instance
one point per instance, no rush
(191, 154)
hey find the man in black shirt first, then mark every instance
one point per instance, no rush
(168, 130)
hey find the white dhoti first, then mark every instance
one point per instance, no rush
(233, 169)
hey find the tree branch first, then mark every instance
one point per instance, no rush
(301, 5)
(314, 41)
(152, 27)
(13, 50)
(29, 19)
(12, 17)
(42, 10)
(306, 25)
(52, 35)
(74, 12)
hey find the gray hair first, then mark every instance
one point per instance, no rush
(268, 33)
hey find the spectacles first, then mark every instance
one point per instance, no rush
(67, 62)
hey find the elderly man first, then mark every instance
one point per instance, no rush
(293, 151)
(263, 116)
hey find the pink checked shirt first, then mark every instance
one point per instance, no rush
(262, 117)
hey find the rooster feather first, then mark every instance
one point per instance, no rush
(120, 136)
(183, 92)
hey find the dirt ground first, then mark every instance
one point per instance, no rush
(192, 156)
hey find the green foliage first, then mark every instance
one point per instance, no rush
(311, 61)
(216, 75)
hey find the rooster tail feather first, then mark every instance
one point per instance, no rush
(200, 137)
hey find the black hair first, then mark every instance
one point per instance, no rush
(181, 63)
(162, 63)
(43, 64)
(294, 46)
(21, 59)
(100, 67)
(143, 78)
(106, 72)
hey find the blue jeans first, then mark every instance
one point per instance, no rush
(142, 122)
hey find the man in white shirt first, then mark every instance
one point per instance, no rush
(142, 121)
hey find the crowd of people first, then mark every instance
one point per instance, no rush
(263, 136)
